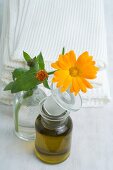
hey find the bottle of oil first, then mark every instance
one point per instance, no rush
(53, 133)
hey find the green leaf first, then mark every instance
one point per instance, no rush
(36, 64)
(30, 63)
(28, 94)
(9, 86)
(25, 82)
(63, 51)
(45, 83)
(18, 72)
(41, 61)
(26, 56)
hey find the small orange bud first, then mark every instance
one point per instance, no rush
(41, 75)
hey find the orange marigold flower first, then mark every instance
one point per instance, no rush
(73, 73)
(41, 75)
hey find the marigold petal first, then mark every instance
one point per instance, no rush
(66, 83)
(83, 57)
(72, 56)
(60, 83)
(89, 76)
(62, 65)
(86, 66)
(66, 58)
(55, 65)
(61, 74)
(75, 87)
(87, 84)
(62, 60)
(54, 79)
(90, 71)
(81, 85)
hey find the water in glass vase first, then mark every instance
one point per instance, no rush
(25, 113)
(26, 121)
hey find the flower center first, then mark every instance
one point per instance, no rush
(73, 71)
(41, 75)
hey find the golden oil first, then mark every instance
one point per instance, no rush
(53, 138)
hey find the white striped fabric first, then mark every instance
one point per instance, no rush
(47, 26)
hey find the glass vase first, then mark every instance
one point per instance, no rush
(25, 112)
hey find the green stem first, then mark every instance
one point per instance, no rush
(51, 72)
(63, 51)
(16, 116)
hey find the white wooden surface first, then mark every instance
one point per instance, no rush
(92, 144)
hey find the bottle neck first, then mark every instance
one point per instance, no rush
(52, 122)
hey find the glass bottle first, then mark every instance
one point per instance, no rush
(54, 125)
(53, 135)
(25, 111)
